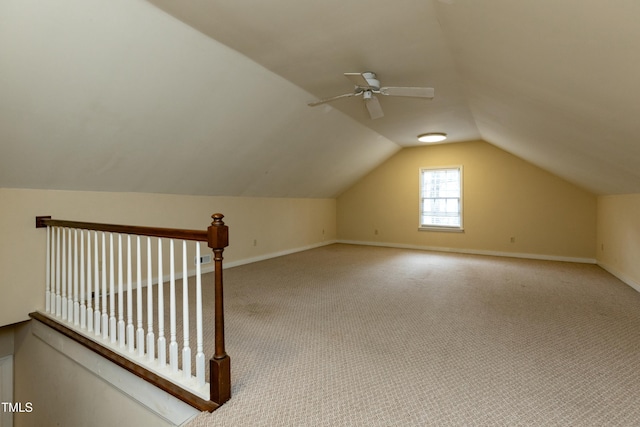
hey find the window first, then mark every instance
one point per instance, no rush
(441, 198)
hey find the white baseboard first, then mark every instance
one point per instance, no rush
(473, 251)
(231, 264)
(276, 254)
(620, 275)
(236, 263)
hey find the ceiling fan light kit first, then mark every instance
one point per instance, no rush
(367, 85)
(432, 137)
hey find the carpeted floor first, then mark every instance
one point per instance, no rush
(346, 335)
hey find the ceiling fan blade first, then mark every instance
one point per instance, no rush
(333, 98)
(374, 108)
(357, 79)
(415, 92)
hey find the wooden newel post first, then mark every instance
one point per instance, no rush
(220, 364)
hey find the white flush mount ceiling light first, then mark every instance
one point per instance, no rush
(432, 137)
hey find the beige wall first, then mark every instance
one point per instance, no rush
(63, 393)
(619, 236)
(276, 225)
(504, 197)
(6, 341)
(6, 372)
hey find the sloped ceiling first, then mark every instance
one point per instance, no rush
(209, 96)
(118, 96)
(551, 81)
(555, 82)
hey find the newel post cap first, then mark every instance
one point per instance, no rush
(218, 233)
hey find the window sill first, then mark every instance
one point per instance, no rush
(445, 229)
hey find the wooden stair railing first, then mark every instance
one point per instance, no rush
(217, 238)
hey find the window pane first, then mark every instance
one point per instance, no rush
(440, 197)
(451, 206)
(445, 212)
(440, 221)
(441, 183)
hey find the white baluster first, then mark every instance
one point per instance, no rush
(151, 340)
(162, 342)
(54, 269)
(173, 344)
(105, 316)
(96, 284)
(186, 350)
(83, 302)
(76, 303)
(89, 285)
(70, 280)
(140, 330)
(199, 342)
(112, 294)
(58, 277)
(121, 337)
(55, 266)
(47, 295)
(130, 340)
(63, 285)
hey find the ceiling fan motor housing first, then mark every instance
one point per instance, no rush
(371, 80)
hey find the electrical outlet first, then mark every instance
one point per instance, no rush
(255, 242)
(100, 294)
(205, 259)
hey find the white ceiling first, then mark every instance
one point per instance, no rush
(120, 96)
(312, 44)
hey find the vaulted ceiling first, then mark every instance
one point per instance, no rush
(210, 97)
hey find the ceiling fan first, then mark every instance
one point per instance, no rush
(367, 86)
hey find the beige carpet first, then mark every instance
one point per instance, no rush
(361, 336)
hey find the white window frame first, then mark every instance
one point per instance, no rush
(435, 227)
